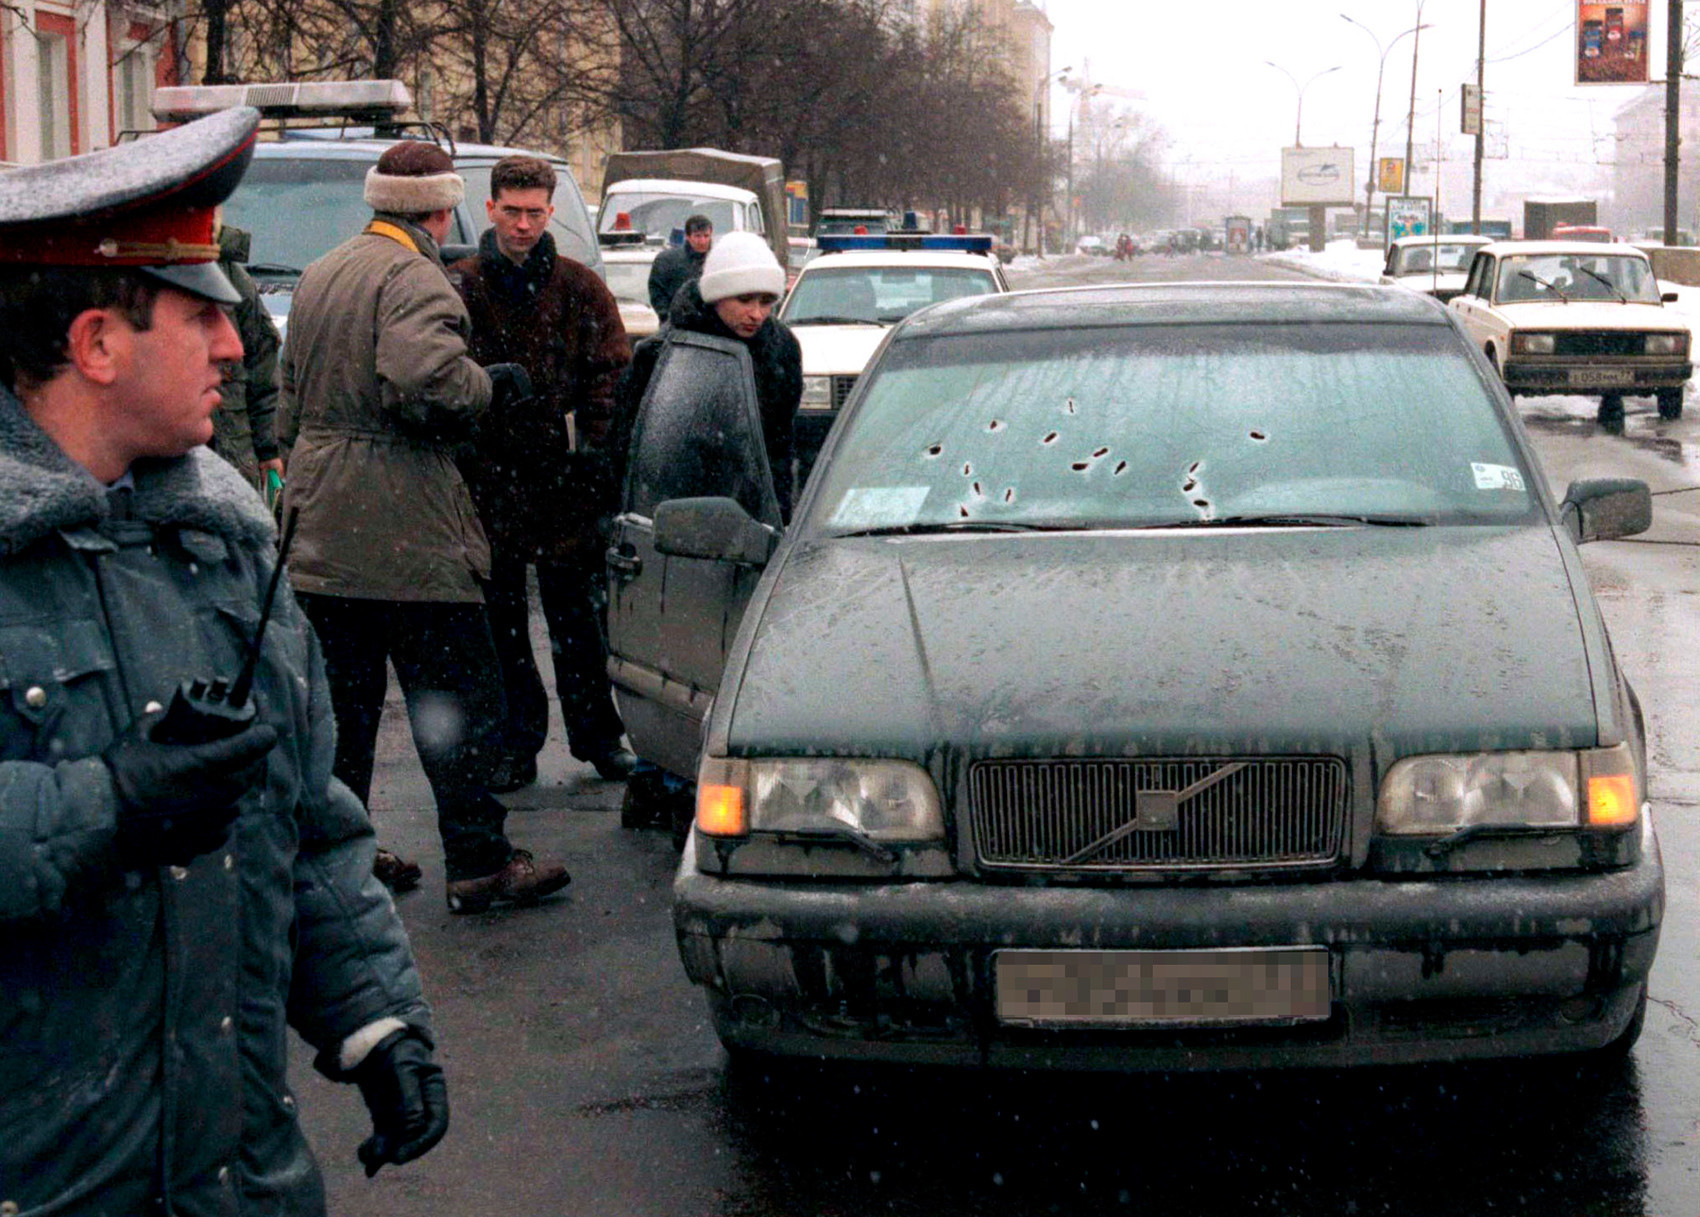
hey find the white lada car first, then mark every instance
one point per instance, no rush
(1576, 317)
(853, 291)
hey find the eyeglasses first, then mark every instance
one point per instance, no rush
(535, 214)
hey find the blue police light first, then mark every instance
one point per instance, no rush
(970, 243)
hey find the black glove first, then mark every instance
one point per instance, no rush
(409, 1101)
(510, 383)
(177, 801)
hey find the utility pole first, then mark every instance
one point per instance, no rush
(1411, 114)
(1673, 114)
(1481, 123)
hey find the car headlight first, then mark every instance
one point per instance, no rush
(1667, 344)
(874, 800)
(817, 391)
(1440, 795)
(1532, 344)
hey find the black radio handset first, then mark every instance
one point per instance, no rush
(203, 710)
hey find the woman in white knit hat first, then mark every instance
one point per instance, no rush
(741, 282)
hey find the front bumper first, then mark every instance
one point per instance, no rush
(1552, 375)
(1439, 969)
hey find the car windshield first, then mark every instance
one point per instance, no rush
(628, 280)
(1174, 425)
(879, 295)
(298, 209)
(657, 215)
(1415, 259)
(1554, 277)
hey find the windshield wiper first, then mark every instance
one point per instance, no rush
(830, 320)
(917, 528)
(1551, 287)
(272, 268)
(1305, 519)
(1610, 286)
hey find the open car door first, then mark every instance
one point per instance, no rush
(698, 521)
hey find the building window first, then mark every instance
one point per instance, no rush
(53, 76)
(134, 82)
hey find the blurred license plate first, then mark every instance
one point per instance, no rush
(1601, 378)
(1144, 988)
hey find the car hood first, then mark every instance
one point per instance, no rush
(837, 350)
(1588, 315)
(639, 319)
(1313, 641)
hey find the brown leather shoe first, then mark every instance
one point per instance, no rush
(524, 880)
(396, 872)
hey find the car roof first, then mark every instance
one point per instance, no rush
(921, 258)
(674, 185)
(317, 145)
(1592, 249)
(642, 254)
(1445, 238)
(1177, 304)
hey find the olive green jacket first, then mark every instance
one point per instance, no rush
(378, 394)
(244, 427)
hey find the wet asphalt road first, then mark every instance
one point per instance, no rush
(585, 1079)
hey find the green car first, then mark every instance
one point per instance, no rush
(1167, 677)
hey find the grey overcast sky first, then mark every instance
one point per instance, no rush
(1201, 68)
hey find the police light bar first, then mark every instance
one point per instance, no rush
(938, 242)
(355, 99)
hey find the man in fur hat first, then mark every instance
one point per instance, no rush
(390, 561)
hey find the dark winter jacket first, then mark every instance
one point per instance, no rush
(671, 270)
(244, 426)
(378, 394)
(143, 1023)
(778, 363)
(553, 316)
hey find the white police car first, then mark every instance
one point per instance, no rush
(854, 290)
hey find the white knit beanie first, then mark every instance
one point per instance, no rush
(739, 263)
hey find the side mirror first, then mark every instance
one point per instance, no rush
(455, 253)
(1604, 509)
(1669, 297)
(717, 529)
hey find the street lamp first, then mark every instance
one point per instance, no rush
(1411, 114)
(1298, 118)
(1039, 152)
(1375, 126)
(1068, 189)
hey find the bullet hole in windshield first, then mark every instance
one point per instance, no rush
(967, 470)
(994, 425)
(1121, 466)
(1070, 406)
(1081, 466)
(962, 511)
(1188, 486)
(1201, 503)
(978, 493)
(1100, 453)
(1049, 439)
(935, 450)
(1259, 436)
(1009, 495)
(1195, 467)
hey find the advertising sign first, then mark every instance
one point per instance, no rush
(1472, 119)
(1408, 215)
(1611, 43)
(797, 203)
(1391, 178)
(1317, 177)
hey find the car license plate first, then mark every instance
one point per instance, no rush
(1601, 378)
(1162, 988)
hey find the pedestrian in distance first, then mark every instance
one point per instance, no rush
(673, 268)
(245, 425)
(379, 393)
(539, 470)
(173, 895)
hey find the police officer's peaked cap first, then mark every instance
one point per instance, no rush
(147, 205)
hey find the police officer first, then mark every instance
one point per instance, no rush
(166, 905)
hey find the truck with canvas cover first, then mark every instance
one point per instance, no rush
(657, 190)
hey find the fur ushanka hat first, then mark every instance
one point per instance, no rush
(414, 177)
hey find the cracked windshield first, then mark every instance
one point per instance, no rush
(820, 608)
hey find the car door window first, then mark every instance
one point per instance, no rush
(698, 431)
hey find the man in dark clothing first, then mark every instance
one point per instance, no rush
(379, 392)
(244, 430)
(538, 473)
(172, 900)
(734, 298)
(673, 268)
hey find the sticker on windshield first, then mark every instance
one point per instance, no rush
(1496, 477)
(880, 506)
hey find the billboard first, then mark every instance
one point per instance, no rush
(1391, 178)
(1317, 177)
(1611, 43)
(1408, 216)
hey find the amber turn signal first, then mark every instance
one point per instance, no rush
(1611, 800)
(721, 811)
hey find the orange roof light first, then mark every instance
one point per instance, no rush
(721, 811)
(622, 221)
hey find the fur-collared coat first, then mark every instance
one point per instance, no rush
(144, 1012)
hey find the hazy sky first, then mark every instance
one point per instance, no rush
(1201, 67)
